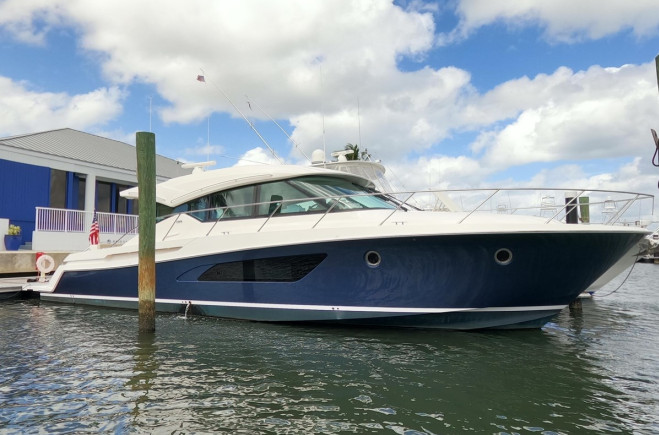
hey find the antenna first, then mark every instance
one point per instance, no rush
(150, 98)
(359, 124)
(322, 108)
(249, 103)
(203, 79)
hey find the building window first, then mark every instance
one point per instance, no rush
(122, 203)
(57, 189)
(81, 192)
(103, 196)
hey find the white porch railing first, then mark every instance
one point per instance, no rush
(79, 221)
(58, 229)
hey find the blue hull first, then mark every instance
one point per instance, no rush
(432, 282)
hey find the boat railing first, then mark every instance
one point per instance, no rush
(592, 206)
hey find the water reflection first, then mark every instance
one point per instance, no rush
(144, 373)
(77, 369)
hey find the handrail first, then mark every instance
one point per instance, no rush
(279, 204)
(172, 225)
(336, 201)
(566, 206)
(398, 205)
(479, 205)
(398, 208)
(628, 203)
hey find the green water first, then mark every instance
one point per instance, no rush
(70, 369)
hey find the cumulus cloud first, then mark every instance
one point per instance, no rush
(598, 113)
(257, 156)
(23, 110)
(287, 42)
(294, 57)
(564, 21)
(332, 70)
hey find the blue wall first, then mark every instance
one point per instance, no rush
(22, 188)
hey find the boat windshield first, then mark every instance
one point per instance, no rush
(314, 194)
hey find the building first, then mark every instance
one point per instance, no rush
(67, 169)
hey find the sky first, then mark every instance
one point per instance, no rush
(446, 94)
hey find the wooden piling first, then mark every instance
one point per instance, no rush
(146, 181)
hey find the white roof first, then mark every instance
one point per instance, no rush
(182, 189)
(81, 147)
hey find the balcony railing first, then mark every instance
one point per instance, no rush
(78, 221)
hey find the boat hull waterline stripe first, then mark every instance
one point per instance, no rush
(54, 296)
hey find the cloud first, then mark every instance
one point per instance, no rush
(411, 113)
(597, 113)
(563, 21)
(332, 70)
(257, 156)
(30, 21)
(23, 110)
(293, 57)
(204, 150)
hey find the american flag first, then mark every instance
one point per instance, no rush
(94, 231)
(201, 79)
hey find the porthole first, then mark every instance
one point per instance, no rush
(503, 256)
(372, 258)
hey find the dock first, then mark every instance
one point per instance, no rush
(24, 261)
(12, 285)
(16, 267)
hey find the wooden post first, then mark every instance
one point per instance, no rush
(146, 182)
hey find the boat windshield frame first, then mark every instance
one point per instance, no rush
(295, 196)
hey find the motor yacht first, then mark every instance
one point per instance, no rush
(307, 244)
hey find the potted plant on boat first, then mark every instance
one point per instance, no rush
(13, 238)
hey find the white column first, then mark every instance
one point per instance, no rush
(90, 192)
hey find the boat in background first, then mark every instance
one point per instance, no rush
(305, 244)
(651, 255)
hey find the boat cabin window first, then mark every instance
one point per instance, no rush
(299, 195)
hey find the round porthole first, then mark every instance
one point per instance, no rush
(503, 256)
(372, 258)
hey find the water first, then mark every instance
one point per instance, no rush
(81, 369)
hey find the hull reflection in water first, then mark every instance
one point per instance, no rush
(76, 369)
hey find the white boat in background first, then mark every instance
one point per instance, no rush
(304, 244)
(651, 255)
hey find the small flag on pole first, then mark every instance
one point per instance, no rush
(201, 79)
(94, 231)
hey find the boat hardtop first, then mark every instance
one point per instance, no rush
(179, 190)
